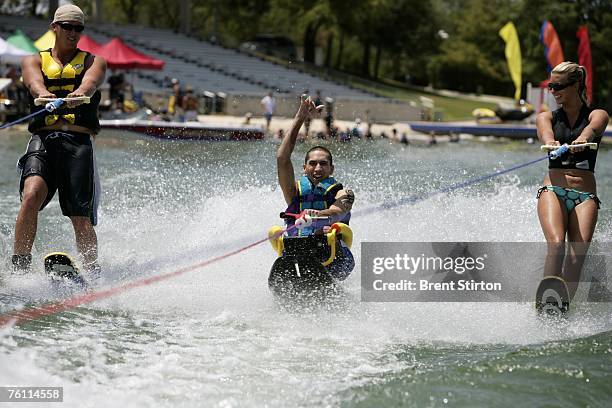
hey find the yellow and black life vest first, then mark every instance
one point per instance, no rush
(62, 81)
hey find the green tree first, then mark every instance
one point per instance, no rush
(346, 15)
(407, 34)
(472, 58)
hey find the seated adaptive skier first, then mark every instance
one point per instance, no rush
(316, 193)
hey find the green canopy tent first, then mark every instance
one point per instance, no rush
(22, 41)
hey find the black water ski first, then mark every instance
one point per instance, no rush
(299, 274)
(61, 268)
(552, 297)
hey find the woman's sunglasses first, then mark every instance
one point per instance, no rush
(71, 27)
(559, 86)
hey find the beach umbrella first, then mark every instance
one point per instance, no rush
(119, 55)
(10, 53)
(22, 41)
(86, 43)
(46, 41)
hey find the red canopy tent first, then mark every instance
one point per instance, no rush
(118, 55)
(86, 43)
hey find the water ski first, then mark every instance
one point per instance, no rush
(60, 266)
(552, 297)
(299, 271)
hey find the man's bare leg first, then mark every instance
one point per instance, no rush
(87, 241)
(33, 196)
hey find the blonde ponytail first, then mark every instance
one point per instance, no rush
(575, 73)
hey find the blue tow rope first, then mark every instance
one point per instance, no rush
(421, 197)
(49, 107)
(555, 154)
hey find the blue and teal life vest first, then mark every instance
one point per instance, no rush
(314, 197)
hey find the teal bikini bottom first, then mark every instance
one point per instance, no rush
(570, 197)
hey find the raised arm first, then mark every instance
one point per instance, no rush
(33, 78)
(286, 177)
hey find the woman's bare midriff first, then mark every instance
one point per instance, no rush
(581, 180)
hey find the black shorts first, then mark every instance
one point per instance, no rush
(66, 162)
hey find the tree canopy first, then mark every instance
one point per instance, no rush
(450, 44)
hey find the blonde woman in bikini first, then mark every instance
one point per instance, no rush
(568, 202)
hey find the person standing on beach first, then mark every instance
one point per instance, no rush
(568, 202)
(329, 118)
(60, 154)
(268, 105)
(116, 83)
(308, 121)
(191, 105)
(175, 102)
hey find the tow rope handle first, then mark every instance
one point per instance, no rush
(302, 220)
(57, 102)
(554, 152)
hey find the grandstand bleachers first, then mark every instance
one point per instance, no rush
(202, 65)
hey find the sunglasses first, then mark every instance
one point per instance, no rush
(71, 27)
(559, 86)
